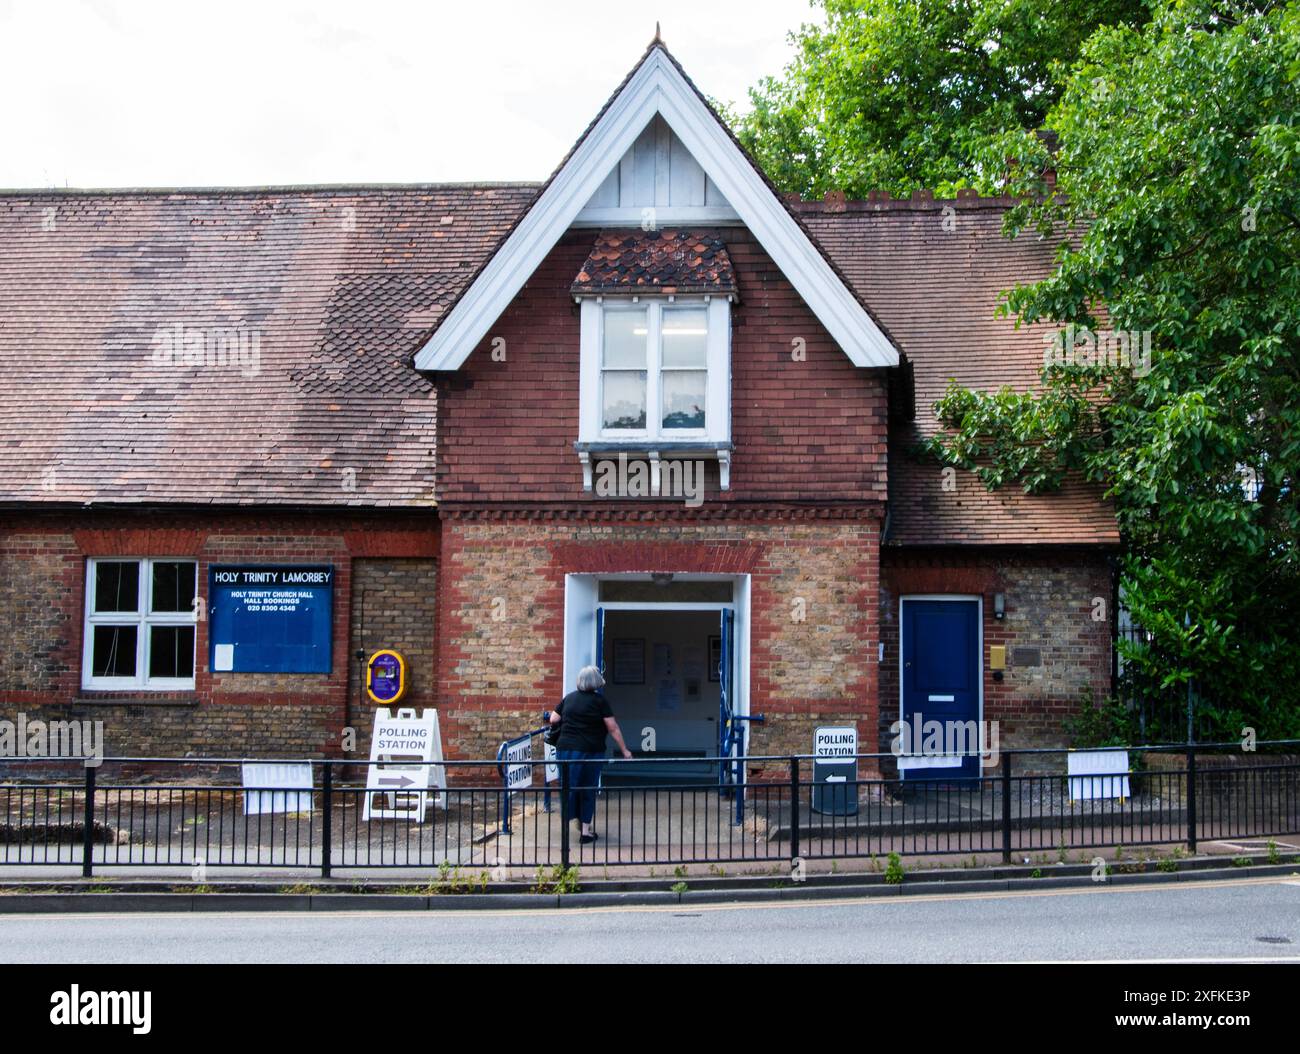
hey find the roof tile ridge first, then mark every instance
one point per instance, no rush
(837, 201)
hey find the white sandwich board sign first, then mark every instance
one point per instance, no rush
(399, 786)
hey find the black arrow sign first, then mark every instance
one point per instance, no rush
(399, 781)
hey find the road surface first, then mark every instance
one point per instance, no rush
(1247, 920)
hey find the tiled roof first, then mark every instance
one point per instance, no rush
(933, 272)
(304, 306)
(229, 347)
(662, 261)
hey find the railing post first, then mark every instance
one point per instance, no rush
(740, 792)
(327, 818)
(88, 824)
(564, 814)
(794, 808)
(1191, 798)
(1006, 806)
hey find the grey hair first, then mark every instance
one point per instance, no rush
(589, 679)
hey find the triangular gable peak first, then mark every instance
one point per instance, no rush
(657, 181)
(655, 106)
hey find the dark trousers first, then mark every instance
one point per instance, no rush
(584, 780)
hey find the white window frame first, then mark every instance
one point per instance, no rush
(717, 410)
(142, 618)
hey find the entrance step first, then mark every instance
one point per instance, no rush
(680, 771)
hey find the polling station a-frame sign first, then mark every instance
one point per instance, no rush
(399, 785)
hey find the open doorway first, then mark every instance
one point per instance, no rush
(673, 648)
(663, 680)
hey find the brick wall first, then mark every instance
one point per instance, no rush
(39, 589)
(809, 429)
(813, 625)
(42, 598)
(1050, 603)
(393, 604)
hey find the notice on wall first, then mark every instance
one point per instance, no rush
(273, 618)
(629, 661)
(663, 660)
(693, 661)
(669, 694)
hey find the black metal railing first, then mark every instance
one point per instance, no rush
(194, 814)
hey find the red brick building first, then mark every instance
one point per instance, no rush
(648, 414)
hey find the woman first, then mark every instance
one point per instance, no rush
(585, 718)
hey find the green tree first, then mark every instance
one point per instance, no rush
(1179, 170)
(904, 94)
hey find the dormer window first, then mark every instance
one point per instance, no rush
(655, 369)
(656, 349)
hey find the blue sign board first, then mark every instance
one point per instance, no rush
(271, 618)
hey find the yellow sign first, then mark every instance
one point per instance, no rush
(386, 677)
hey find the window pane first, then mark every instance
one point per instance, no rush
(173, 586)
(624, 399)
(684, 398)
(686, 332)
(117, 585)
(171, 651)
(113, 651)
(625, 340)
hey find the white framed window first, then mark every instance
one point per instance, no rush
(656, 370)
(141, 623)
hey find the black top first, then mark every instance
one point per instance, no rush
(582, 725)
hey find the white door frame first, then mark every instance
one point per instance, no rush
(581, 598)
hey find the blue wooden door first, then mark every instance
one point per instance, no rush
(941, 674)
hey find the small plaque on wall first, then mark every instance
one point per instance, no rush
(1026, 657)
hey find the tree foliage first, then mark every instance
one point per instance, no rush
(904, 94)
(1179, 160)
(1176, 197)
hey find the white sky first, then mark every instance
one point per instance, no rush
(117, 93)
